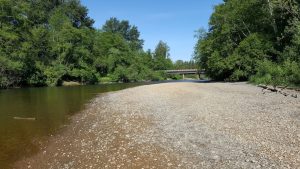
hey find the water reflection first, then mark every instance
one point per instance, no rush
(51, 108)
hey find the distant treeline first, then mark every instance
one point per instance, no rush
(180, 64)
(257, 40)
(46, 42)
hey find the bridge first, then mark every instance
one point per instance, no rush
(185, 71)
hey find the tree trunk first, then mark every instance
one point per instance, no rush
(272, 17)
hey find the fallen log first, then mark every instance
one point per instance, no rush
(265, 87)
(25, 118)
(289, 88)
(294, 95)
(280, 90)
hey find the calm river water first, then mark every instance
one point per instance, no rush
(51, 106)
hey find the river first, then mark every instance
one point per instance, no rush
(51, 108)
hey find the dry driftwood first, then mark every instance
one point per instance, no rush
(277, 89)
(289, 88)
(265, 87)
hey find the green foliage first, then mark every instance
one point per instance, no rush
(174, 77)
(179, 64)
(105, 80)
(217, 67)
(271, 73)
(257, 39)
(10, 72)
(54, 74)
(128, 32)
(250, 52)
(49, 42)
(85, 76)
(158, 76)
(292, 51)
(161, 57)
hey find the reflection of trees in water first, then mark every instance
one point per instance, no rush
(51, 108)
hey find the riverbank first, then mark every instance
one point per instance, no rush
(179, 125)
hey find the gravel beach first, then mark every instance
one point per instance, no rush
(179, 125)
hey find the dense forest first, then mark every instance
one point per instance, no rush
(47, 42)
(256, 40)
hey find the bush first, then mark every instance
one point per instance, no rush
(105, 80)
(37, 79)
(175, 77)
(252, 50)
(270, 73)
(54, 74)
(120, 74)
(84, 76)
(292, 72)
(239, 64)
(11, 72)
(158, 76)
(217, 67)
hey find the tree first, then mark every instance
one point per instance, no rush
(14, 27)
(244, 34)
(180, 64)
(161, 56)
(128, 32)
(46, 42)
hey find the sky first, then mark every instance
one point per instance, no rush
(172, 21)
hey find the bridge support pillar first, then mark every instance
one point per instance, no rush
(182, 76)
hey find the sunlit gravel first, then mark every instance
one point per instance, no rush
(179, 125)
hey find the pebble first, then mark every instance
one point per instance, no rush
(181, 125)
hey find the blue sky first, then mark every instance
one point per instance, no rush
(173, 21)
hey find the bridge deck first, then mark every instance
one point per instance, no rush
(185, 71)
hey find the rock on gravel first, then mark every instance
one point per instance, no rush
(179, 125)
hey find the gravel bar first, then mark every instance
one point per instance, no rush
(178, 125)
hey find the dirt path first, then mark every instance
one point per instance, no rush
(179, 125)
